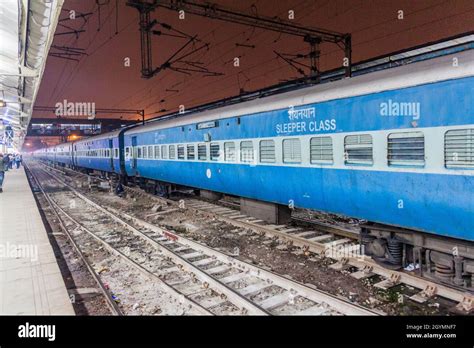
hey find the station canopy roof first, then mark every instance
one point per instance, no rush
(26, 33)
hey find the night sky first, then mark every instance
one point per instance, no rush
(101, 77)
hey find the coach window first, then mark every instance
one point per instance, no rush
(358, 149)
(157, 151)
(246, 152)
(150, 152)
(459, 149)
(190, 152)
(215, 149)
(164, 152)
(145, 152)
(406, 149)
(181, 152)
(291, 151)
(229, 152)
(202, 152)
(172, 151)
(127, 152)
(321, 150)
(116, 151)
(267, 151)
(139, 154)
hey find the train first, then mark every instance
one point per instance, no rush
(393, 148)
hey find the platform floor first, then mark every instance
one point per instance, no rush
(30, 278)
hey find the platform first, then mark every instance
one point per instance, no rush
(30, 278)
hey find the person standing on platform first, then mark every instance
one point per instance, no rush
(9, 161)
(3, 169)
(18, 160)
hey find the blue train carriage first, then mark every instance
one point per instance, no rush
(101, 153)
(48, 154)
(63, 154)
(393, 147)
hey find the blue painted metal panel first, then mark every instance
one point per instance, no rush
(64, 159)
(354, 114)
(428, 203)
(371, 195)
(95, 163)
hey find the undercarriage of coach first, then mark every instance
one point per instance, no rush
(446, 260)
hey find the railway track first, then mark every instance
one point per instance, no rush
(203, 277)
(336, 242)
(342, 245)
(111, 304)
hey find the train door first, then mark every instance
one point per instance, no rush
(73, 154)
(134, 154)
(111, 154)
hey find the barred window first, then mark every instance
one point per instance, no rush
(358, 149)
(181, 152)
(246, 152)
(459, 149)
(145, 152)
(150, 152)
(229, 152)
(164, 151)
(116, 153)
(267, 151)
(406, 149)
(157, 151)
(215, 149)
(202, 152)
(191, 152)
(139, 152)
(292, 151)
(172, 152)
(321, 150)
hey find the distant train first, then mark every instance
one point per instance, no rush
(394, 147)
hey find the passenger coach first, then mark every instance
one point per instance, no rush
(394, 147)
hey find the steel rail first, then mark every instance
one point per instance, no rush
(134, 264)
(115, 309)
(465, 299)
(232, 295)
(318, 296)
